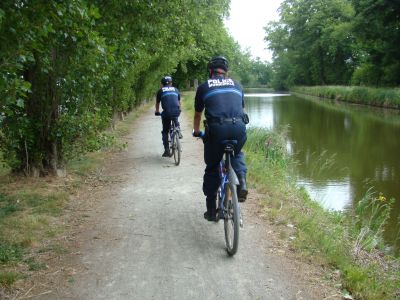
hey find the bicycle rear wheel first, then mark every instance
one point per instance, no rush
(177, 149)
(232, 219)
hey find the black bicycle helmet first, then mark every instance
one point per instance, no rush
(166, 80)
(218, 62)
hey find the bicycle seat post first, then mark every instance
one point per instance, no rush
(229, 146)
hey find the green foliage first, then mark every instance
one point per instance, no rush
(4, 168)
(336, 42)
(262, 72)
(370, 216)
(312, 43)
(10, 253)
(377, 29)
(271, 144)
(8, 205)
(250, 72)
(67, 67)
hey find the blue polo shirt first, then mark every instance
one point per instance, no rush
(220, 97)
(170, 98)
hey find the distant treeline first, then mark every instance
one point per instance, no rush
(68, 67)
(340, 42)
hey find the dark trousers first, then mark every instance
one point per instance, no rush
(213, 153)
(166, 125)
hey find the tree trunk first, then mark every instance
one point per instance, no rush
(29, 144)
(114, 120)
(42, 153)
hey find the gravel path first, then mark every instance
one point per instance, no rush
(147, 238)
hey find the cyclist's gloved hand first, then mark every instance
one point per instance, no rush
(157, 113)
(199, 134)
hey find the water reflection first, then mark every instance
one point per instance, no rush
(339, 189)
(265, 95)
(342, 150)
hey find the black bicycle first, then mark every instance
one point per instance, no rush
(228, 207)
(175, 143)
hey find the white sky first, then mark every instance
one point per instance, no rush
(246, 22)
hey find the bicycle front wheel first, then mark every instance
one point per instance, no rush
(232, 219)
(177, 149)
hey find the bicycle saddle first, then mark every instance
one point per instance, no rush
(229, 144)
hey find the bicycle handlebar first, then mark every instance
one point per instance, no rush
(200, 134)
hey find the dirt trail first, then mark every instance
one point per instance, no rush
(146, 238)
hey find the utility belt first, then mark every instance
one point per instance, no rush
(244, 119)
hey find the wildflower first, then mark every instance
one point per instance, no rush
(381, 197)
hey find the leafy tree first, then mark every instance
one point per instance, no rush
(262, 71)
(377, 26)
(336, 42)
(68, 67)
(41, 43)
(313, 38)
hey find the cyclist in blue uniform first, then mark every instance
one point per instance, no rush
(170, 98)
(223, 101)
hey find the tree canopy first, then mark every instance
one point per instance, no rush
(318, 42)
(68, 66)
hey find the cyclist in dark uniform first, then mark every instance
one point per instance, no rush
(223, 101)
(170, 98)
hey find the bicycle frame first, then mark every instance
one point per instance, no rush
(226, 176)
(174, 143)
(172, 131)
(221, 191)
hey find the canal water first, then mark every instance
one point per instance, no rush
(341, 150)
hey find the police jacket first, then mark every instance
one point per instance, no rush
(169, 97)
(221, 97)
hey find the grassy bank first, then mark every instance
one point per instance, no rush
(350, 242)
(347, 243)
(32, 210)
(382, 97)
